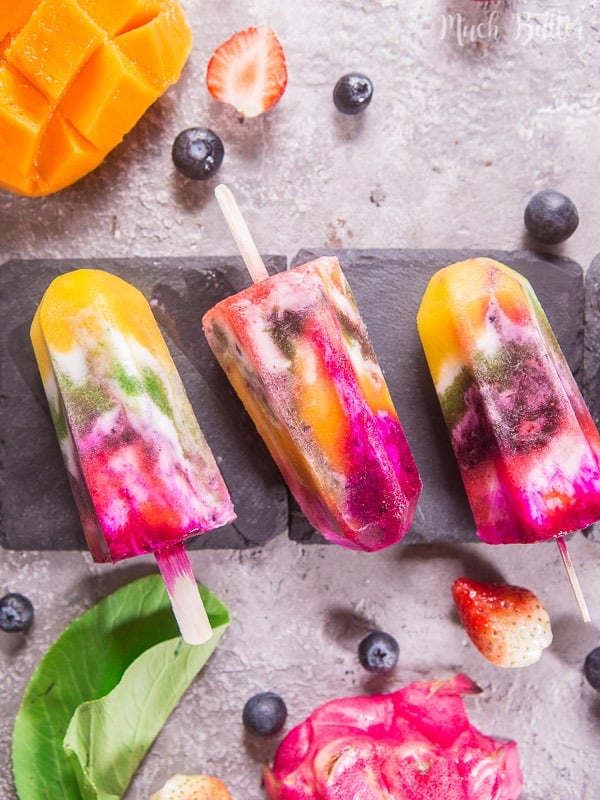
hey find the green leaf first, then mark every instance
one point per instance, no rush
(105, 687)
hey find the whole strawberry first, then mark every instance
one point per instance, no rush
(507, 624)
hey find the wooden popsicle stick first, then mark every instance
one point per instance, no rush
(191, 616)
(241, 234)
(573, 579)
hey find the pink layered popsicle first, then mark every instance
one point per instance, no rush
(142, 474)
(526, 445)
(297, 353)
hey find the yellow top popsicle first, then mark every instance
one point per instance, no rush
(443, 322)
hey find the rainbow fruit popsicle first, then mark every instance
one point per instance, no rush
(526, 445)
(297, 353)
(143, 476)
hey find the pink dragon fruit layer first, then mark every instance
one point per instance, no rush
(527, 448)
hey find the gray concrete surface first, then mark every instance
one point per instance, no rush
(459, 134)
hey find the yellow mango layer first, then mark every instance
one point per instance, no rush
(59, 312)
(75, 77)
(320, 407)
(455, 305)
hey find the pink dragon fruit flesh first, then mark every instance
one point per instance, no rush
(413, 744)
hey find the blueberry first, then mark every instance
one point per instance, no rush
(197, 153)
(378, 652)
(16, 613)
(551, 217)
(352, 93)
(591, 668)
(264, 714)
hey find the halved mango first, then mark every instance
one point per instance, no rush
(75, 77)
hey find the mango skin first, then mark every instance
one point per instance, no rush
(75, 77)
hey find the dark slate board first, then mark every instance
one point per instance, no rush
(388, 286)
(591, 354)
(37, 509)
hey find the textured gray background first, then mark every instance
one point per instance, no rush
(457, 138)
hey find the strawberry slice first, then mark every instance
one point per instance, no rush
(507, 624)
(192, 787)
(248, 71)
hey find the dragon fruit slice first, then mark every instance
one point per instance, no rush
(413, 744)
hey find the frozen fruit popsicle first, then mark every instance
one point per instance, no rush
(142, 474)
(526, 445)
(297, 353)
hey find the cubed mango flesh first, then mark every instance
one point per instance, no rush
(13, 15)
(75, 77)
